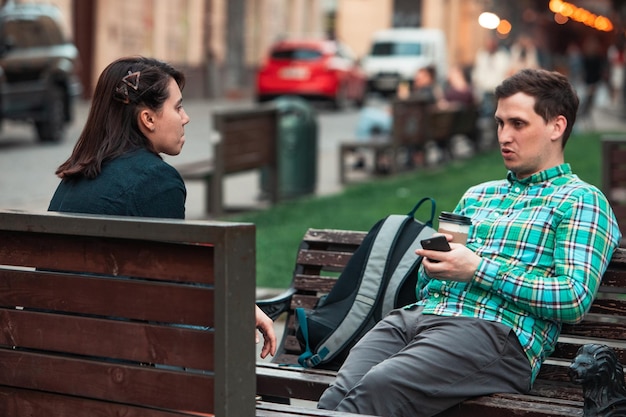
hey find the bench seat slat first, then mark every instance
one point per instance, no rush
(127, 298)
(614, 279)
(500, 405)
(304, 301)
(106, 380)
(314, 283)
(266, 409)
(290, 382)
(333, 236)
(323, 258)
(600, 330)
(18, 402)
(78, 335)
(118, 257)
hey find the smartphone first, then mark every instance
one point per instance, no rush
(439, 243)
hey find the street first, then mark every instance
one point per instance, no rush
(27, 179)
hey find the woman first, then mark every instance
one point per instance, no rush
(116, 168)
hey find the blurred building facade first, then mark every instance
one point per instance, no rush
(220, 43)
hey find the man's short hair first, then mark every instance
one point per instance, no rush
(553, 93)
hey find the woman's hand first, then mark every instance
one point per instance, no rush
(265, 326)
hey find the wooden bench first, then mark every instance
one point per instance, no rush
(246, 140)
(323, 254)
(96, 315)
(614, 177)
(112, 316)
(415, 123)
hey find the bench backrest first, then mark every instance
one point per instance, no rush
(248, 139)
(324, 253)
(416, 122)
(410, 122)
(105, 315)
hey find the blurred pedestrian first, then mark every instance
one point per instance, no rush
(115, 167)
(524, 54)
(458, 88)
(491, 66)
(595, 65)
(574, 64)
(617, 61)
(425, 87)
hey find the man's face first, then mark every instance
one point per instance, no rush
(528, 144)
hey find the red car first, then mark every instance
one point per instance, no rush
(313, 69)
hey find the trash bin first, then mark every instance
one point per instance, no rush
(296, 148)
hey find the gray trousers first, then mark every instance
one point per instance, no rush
(412, 364)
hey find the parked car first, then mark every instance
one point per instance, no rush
(38, 69)
(313, 69)
(397, 54)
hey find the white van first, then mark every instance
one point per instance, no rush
(396, 54)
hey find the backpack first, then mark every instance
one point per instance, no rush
(381, 275)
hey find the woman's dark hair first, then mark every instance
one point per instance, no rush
(553, 93)
(126, 86)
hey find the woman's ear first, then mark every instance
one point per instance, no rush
(146, 120)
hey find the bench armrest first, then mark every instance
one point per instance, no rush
(277, 305)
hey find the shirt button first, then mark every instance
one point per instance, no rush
(436, 295)
(517, 189)
(479, 240)
(496, 214)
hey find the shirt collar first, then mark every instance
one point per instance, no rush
(542, 176)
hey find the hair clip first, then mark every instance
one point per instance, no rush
(121, 94)
(132, 80)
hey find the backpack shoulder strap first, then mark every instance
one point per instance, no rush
(370, 287)
(405, 266)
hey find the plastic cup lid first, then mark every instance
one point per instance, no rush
(446, 216)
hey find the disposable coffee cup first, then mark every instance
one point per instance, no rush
(455, 225)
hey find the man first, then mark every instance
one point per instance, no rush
(491, 310)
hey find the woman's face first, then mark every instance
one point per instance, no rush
(167, 128)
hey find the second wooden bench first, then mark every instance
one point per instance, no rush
(414, 124)
(246, 140)
(324, 253)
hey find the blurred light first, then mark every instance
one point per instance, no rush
(578, 14)
(488, 20)
(567, 10)
(560, 19)
(556, 6)
(603, 24)
(504, 27)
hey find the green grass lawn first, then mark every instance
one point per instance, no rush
(358, 207)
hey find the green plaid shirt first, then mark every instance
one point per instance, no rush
(545, 242)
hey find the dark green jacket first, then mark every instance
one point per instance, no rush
(139, 183)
